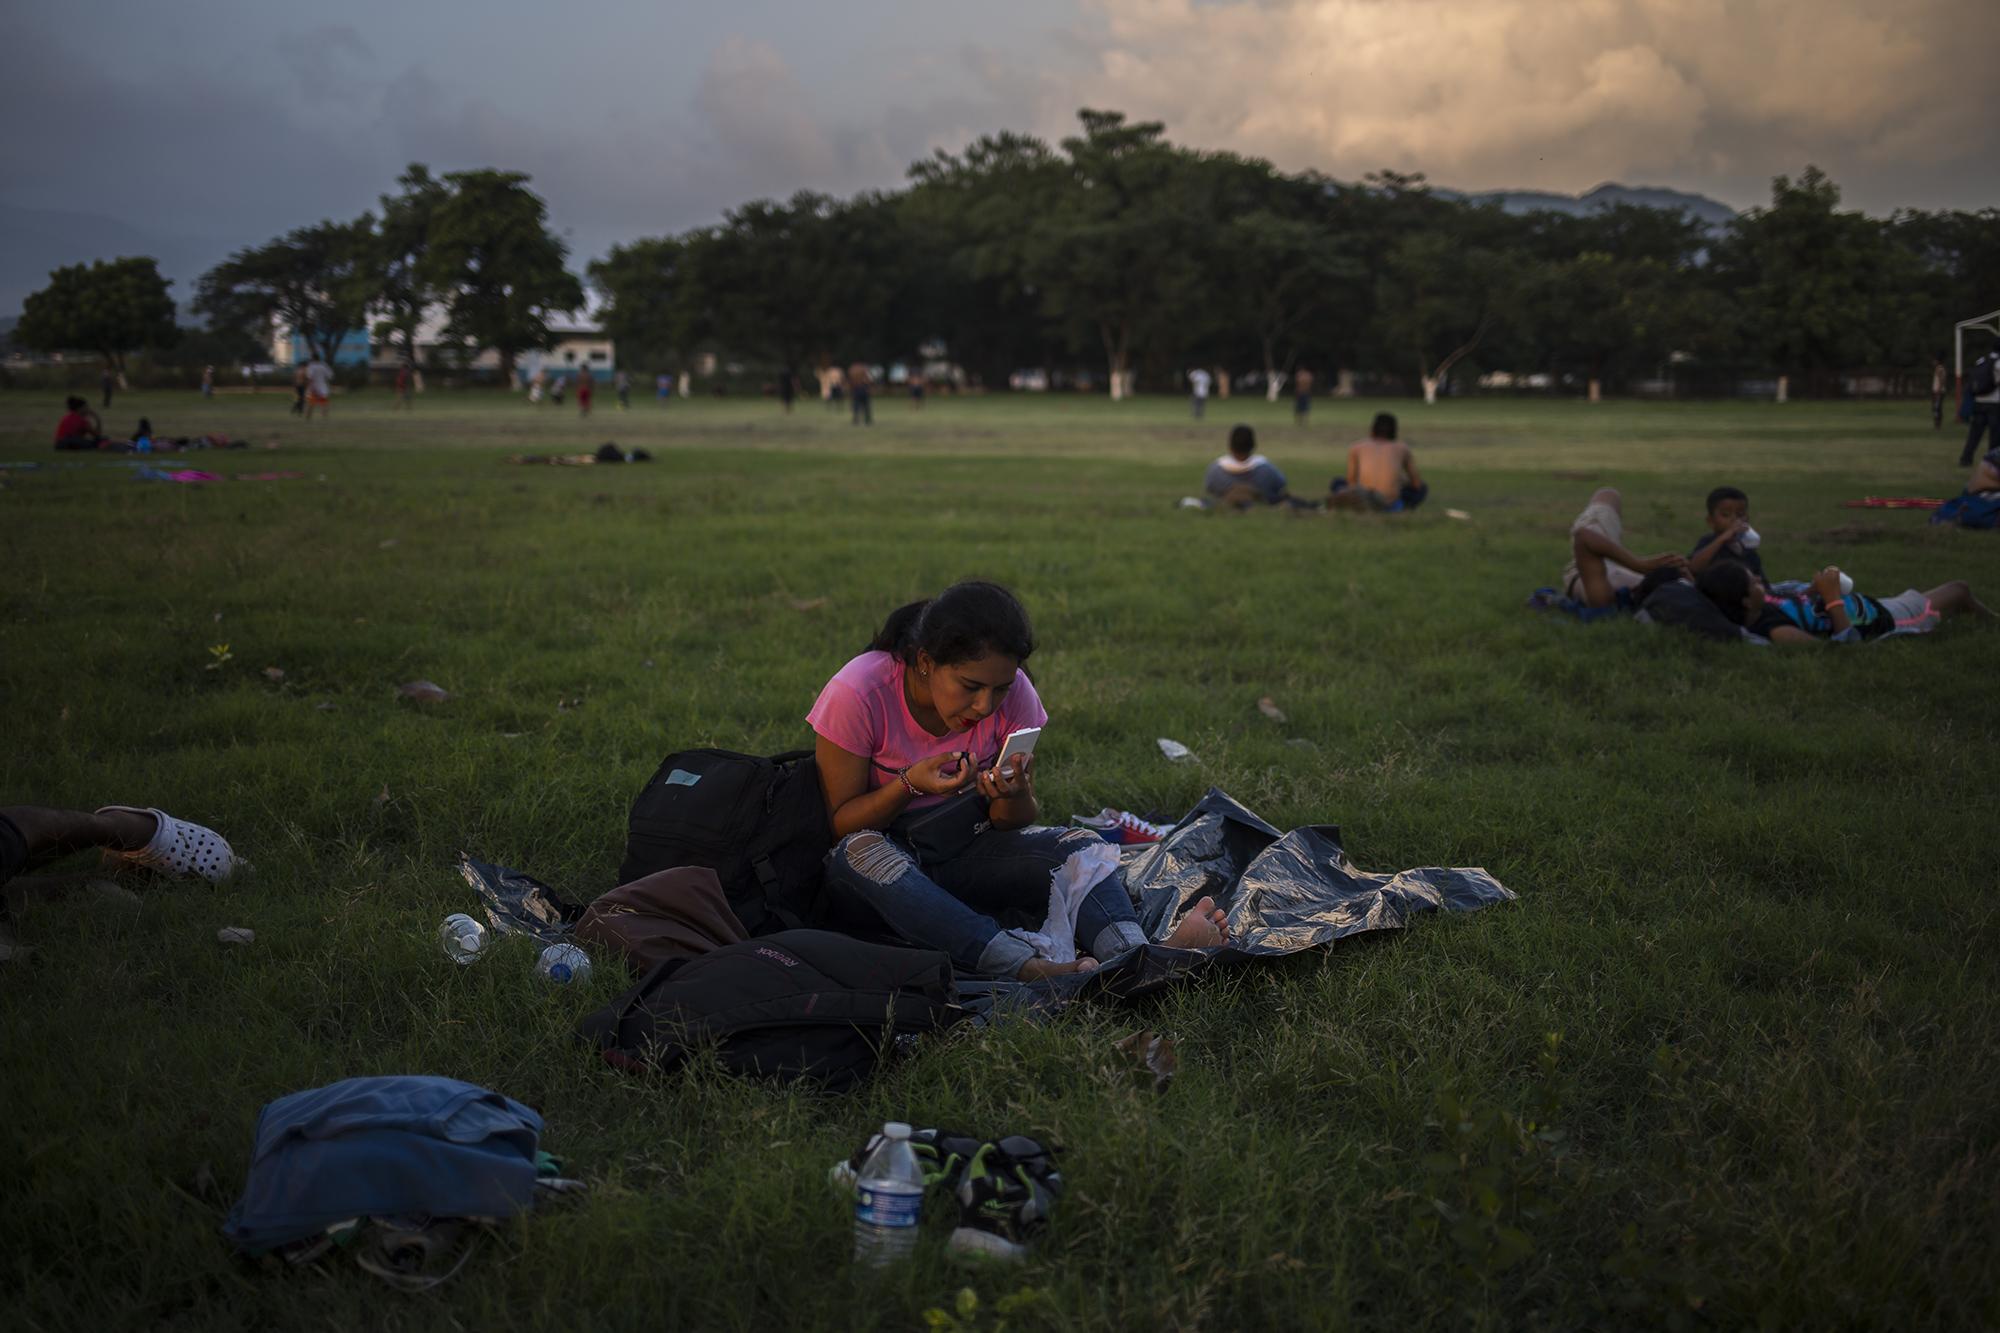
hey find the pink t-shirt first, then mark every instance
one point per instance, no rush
(863, 711)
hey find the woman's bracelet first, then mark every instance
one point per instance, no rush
(903, 776)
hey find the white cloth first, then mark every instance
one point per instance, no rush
(1231, 463)
(1068, 886)
(1199, 380)
(319, 378)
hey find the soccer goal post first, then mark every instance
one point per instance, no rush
(1988, 322)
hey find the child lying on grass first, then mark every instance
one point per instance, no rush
(1826, 614)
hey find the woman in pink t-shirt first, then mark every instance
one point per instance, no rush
(933, 838)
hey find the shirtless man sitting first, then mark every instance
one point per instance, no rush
(1381, 474)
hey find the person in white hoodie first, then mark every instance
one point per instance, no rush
(1243, 477)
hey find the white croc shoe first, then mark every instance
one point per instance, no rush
(180, 848)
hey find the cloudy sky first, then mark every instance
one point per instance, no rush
(201, 125)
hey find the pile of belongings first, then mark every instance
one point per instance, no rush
(402, 1172)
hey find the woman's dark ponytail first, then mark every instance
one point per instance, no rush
(961, 624)
(899, 631)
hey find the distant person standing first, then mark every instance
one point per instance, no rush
(586, 385)
(858, 384)
(1938, 380)
(208, 381)
(299, 391)
(319, 388)
(663, 387)
(538, 385)
(558, 386)
(107, 381)
(623, 384)
(402, 386)
(788, 388)
(1199, 381)
(917, 389)
(1302, 399)
(1984, 381)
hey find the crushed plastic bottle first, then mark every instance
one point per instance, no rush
(888, 1200)
(463, 938)
(564, 963)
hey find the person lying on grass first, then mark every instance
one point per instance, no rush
(920, 718)
(1381, 473)
(1729, 535)
(1601, 572)
(1827, 614)
(131, 835)
(1243, 478)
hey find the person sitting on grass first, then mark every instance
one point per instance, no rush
(1826, 613)
(1729, 534)
(80, 427)
(1243, 478)
(1601, 572)
(1381, 474)
(919, 720)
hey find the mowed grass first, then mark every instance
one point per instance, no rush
(1729, 1060)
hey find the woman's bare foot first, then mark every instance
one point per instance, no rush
(1037, 968)
(1204, 927)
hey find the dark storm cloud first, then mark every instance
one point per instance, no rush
(218, 123)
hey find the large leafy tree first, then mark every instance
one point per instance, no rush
(1603, 294)
(1811, 279)
(650, 303)
(973, 219)
(1443, 280)
(1287, 269)
(405, 290)
(317, 280)
(501, 268)
(105, 308)
(1117, 258)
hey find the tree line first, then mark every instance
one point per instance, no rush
(1121, 258)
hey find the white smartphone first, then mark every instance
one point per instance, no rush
(1019, 744)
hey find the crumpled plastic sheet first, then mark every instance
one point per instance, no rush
(1282, 892)
(515, 902)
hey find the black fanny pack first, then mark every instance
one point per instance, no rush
(940, 832)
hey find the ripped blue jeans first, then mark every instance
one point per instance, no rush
(946, 904)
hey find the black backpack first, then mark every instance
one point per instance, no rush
(1983, 372)
(759, 824)
(807, 1004)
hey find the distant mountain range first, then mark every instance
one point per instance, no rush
(1711, 213)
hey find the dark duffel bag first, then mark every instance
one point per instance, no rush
(800, 1004)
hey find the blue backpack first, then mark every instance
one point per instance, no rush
(383, 1147)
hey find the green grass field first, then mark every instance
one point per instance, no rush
(1730, 1060)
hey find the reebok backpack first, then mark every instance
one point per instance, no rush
(759, 824)
(800, 1004)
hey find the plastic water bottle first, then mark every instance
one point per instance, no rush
(888, 1200)
(1846, 584)
(1749, 540)
(463, 938)
(564, 963)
